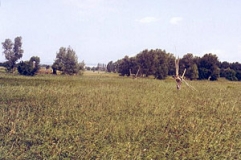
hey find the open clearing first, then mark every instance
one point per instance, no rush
(104, 116)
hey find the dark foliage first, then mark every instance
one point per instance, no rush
(29, 68)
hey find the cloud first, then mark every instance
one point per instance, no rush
(175, 20)
(147, 20)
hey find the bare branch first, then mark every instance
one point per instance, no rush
(137, 72)
(183, 73)
(177, 66)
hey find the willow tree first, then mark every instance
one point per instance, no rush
(13, 52)
(66, 61)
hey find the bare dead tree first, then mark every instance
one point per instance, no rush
(131, 73)
(177, 77)
(134, 76)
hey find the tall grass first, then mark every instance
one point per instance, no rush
(103, 116)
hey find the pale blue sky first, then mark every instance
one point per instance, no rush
(104, 30)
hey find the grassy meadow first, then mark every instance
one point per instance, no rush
(104, 116)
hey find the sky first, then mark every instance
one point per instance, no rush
(100, 31)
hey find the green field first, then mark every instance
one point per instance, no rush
(104, 116)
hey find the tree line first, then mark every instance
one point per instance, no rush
(160, 64)
(66, 60)
(157, 63)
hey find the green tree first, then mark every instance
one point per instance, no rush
(193, 72)
(230, 74)
(171, 64)
(29, 68)
(148, 62)
(238, 75)
(187, 62)
(12, 52)
(116, 66)
(215, 73)
(161, 60)
(35, 63)
(224, 65)
(66, 61)
(236, 66)
(82, 65)
(161, 72)
(152, 62)
(124, 66)
(110, 67)
(145, 61)
(203, 73)
(208, 67)
(134, 67)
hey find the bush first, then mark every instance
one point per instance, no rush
(29, 68)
